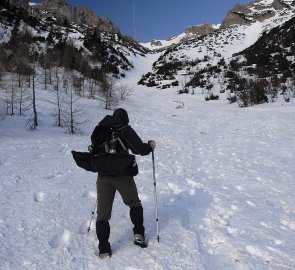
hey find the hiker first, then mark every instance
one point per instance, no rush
(107, 185)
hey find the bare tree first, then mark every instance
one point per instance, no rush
(73, 115)
(2, 95)
(58, 97)
(12, 95)
(124, 91)
(91, 90)
(33, 123)
(46, 65)
(108, 92)
(23, 96)
(78, 83)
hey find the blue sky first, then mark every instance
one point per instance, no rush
(158, 19)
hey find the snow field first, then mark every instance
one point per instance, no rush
(225, 183)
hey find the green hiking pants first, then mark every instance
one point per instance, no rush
(106, 189)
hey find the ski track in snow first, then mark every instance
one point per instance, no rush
(225, 183)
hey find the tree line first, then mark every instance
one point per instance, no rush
(62, 71)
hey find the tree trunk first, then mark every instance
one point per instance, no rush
(58, 100)
(72, 114)
(34, 104)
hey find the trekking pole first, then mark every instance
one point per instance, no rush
(155, 195)
(92, 214)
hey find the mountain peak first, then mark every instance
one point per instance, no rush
(257, 10)
(56, 2)
(62, 10)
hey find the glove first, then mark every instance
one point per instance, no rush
(91, 148)
(152, 143)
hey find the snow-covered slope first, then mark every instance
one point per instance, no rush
(195, 54)
(162, 44)
(50, 31)
(225, 188)
(190, 33)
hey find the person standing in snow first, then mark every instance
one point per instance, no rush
(107, 186)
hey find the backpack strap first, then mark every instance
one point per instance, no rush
(119, 139)
(122, 144)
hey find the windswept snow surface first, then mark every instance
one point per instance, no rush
(225, 185)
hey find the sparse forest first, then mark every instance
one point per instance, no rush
(41, 55)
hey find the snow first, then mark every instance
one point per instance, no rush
(266, 2)
(5, 33)
(34, 4)
(225, 185)
(164, 43)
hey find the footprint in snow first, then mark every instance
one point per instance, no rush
(61, 240)
(89, 194)
(51, 176)
(39, 197)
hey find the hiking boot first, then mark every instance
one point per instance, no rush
(105, 255)
(139, 240)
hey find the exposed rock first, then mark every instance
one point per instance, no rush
(62, 10)
(86, 16)
(104, 24)
(19, 3)
(278, 5)
(156, 42)
(200, 30)
(256, 11)
(264, 15)
(236, 16)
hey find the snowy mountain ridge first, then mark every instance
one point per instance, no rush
(179, 65)
(62, 10)
(51, 27)
(257, 10)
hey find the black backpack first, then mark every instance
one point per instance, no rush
(107, 154)
(105, 139)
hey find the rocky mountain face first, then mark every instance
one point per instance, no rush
(194, 31)
(61, 10)
(265, 70)
(19, 3)
(210, 61)
(200, 30)
(205, 57)
(256, 11)
(62, 35)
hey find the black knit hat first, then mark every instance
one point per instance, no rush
(121, 116)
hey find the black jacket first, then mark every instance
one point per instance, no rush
(126, 133)
(133, 142)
